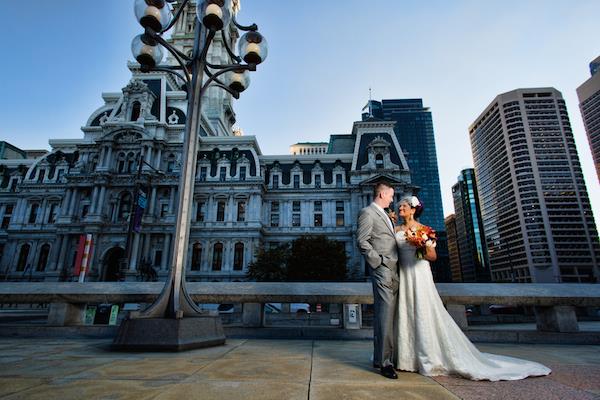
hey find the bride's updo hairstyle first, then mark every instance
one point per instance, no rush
(414, 203)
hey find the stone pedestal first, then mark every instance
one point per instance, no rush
(458, 314)
(252, 315)
(63, 314)
(556, 319)
(169, 334)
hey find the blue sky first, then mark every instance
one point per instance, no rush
(59, 56)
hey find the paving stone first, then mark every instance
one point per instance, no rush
(378, 391)
(526, 389)
(236, 390)
(93, 389)
(294, 370)
(14, 385)
(175, 369)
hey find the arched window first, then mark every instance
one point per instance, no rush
(130, 162)
(238, 256)
(33, 213)
(196, 257)
(23, 255)
(171, 163)
(221, 211)
(135, 111)
(217, 259)
(43, 259)
(124, 207)
(379, 161)
(121, 163)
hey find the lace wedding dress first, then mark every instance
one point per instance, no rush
(430, 342)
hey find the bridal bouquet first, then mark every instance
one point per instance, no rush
(419, 237)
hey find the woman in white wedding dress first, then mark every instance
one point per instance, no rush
(429, 341)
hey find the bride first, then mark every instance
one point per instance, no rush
(429, 341)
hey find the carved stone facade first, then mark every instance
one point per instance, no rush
(242, 198)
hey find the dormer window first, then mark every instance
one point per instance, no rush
(135, 111)
(379, 161)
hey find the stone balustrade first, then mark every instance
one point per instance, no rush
(554, 304)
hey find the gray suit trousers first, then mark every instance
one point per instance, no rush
(385, 322)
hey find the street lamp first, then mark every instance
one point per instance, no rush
(174, 321)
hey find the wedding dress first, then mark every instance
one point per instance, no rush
(430, 342)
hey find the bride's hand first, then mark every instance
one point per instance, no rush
(431, 243)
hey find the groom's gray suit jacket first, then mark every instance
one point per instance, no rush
(376, 241)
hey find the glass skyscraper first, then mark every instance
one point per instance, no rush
(474, 263)
(414, 131)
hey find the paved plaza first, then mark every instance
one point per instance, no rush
(269, 369)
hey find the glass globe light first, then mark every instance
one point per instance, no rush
(146, 51)
(252, 47)
(154, 14)
(239, 80)
(214, 14)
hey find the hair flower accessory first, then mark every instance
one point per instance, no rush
(414, 201)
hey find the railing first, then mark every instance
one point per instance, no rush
(554, 304)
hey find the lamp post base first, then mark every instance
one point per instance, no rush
(169, 334)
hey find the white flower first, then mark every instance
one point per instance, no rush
(414, 202)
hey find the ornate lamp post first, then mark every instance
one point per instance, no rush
(174, 321)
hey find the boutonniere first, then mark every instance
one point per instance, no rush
(392, 215)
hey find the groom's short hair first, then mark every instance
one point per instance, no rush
(380, 187)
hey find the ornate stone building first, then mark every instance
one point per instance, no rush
(131, 150)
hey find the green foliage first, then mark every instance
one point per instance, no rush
(309, 258)
(270, 264)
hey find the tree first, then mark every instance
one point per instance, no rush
(308, 258)
(270, 265)
(316, 258)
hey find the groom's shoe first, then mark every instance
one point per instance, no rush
(376, 366)
(388, 372)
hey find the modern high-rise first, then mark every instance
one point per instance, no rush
(414, 131)
(536, 213)
(589, 103)
(474, 263)
(453, 254)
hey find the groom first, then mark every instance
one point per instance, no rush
(376, 241)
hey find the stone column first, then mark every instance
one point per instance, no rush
(94, 200)
(64, 208)
(101, 200)
(152, 203)
(157, 159)
(252, 314)
(231, 212)
(53, 265)
(556, 319)
(108, 157)
(63, 252)
(134, 252)
(72, 203)
(102, 158)
(458, 314)
(166, 247)
(172, 201)
(146, 246)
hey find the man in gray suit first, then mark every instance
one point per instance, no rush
(376, 241)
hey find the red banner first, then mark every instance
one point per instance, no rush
(80, 249)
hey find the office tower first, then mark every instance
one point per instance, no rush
(536, 214)
(414, 131)
(589, 104)
(453, 254)
(473, 256)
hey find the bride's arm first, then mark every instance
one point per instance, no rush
(430, 253)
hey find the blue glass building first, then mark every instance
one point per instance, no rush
(473, 256)
(414, 130)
